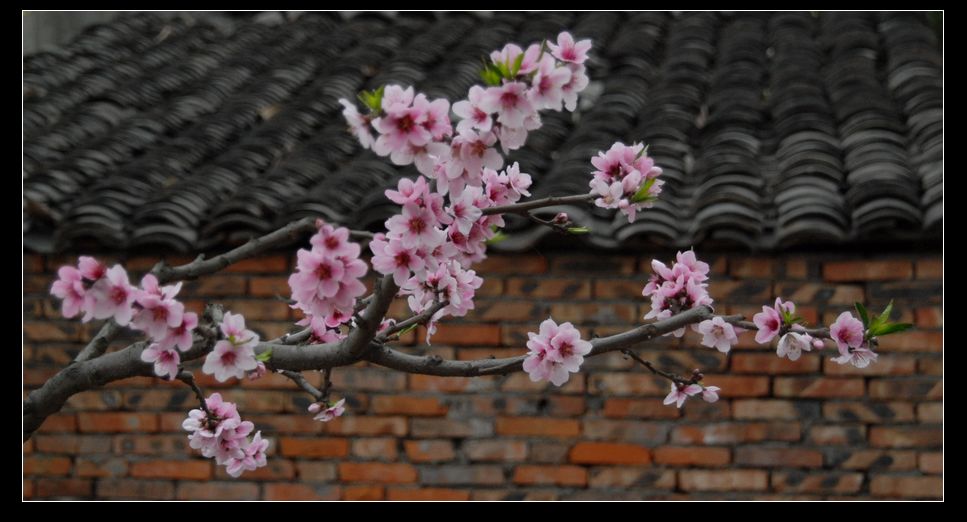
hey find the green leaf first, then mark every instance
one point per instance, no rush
(491, 75)
(891, 328)
(498, 237)
(578, 230)
(864, 316)
(642, 195)
(373, 99)
(517, 63)
(884, 318)
(264, 356)
(409, 328)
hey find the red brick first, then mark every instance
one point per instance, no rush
(258, 309)
(639, 408)
(408, 405)
(930, 412)
(314, 447)
(595, 313)
(521, 382)
(875, 412)
(905, 437)
(173, 469)
(473, 427)
(778, 457)
(584, 264)
(768, 363)
(817, 482)
(766, 409)
(867, 270)
(64, 488)
(912, 341)
(301, 492)
(426, 494)
(456, 475)
(42, 465)
(797, 268)
(429, 450)
(367, 426)
(269, 286)
(512, 264)
(464, 334)
(55, 331)
(618, 289)
(931, 463)
(626, 431)
(551, 406)
(265, 264)
(59, 422)
(868, 459)
(631, 477)
(217, 491)
(929, 317)
(376, 472)
(217, 286)
(733, 433)
(491, 287)
(33, 264)
(932, 366)
(375, 449)
(493, 311)
(609, 453)
(743, 291)
(810, 387)
(910, 389)
(752, 267)
(116, 422)
(837, 435)
(495, 450)
(731, 480)
(738, 386)
(151, 444)
(930, 268)
(363, 493)
(369, 379)
(906, 486)
(682, 456)
(101, 466)
(628, 383)
(315, 471)
(135, 489)
(72, 444)
(551, 475)
(28, 489)
(451, 384)
(537, 427)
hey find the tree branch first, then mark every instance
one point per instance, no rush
(522, 208)
(301, 381)
(100, 342)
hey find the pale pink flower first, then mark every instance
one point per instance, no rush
(509, 54)
(259, 371)
(415, 227)
(90, 268)
(471, 114)
(227, 360)
(111, 296)
(717, 334)
(391, 257)
(847, 331)
(710, 393)
(567, 50)
(463, 209)
(859, 357)
(359, 125)
(519, 182)
(398, 128)
(329, 412)
(579, 81)
(396, 97)
(510, 102)
(793, 344)
(159, 309)
(409, 191)
(436, 119)
(547, 87)
(69, 287)
(768, 321)
(333, 241)
(679, 393)
(180, 336)
(555, 352)
(252, 457)
(699, 269)
(233, 328)
(165, 359)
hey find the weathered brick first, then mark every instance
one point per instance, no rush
(80, 488)
(816, 482)
(906, 486)
(869, 412)
(931, 463)
(218, 285)
(551, 475)
(930, 412)
(635, 384)
(912, 388)
(797, 268)
(420, 451)
(495, 450)
(408, 405)
(905, 436)
(617, 289)
(819, 294)
(429, 427)
(929, 317)
(261, 265)
(59, 423)
(172, 469)
(870, 459)
(464, 334)
(269, 286)
(217, 491)
(125, 488)
(100, 466)
(807, 387)
(867, 270)
(734, 433)
(595, 313)
(375, 449)
(315, 471)
(931, 268)
(517, 264)
(44, 465)
(367, 426)
(554, 406)
(363, 493)
(724, 480)
(435, 383)
(683, 456)
(738, 386)
(117, 422)
(301, 492)
(639, 408)
(631, 477)
(459, 475)
(626, 431)
(752, 267)
(774, 409)
(314, 447)
(406, 494)
(769, 364)
(744, 291)
(549, 452)
(609, 453)
(582, 265)
(837, 435)
(72, 444)
(778, 457)
(537, 427)
(376, 472)
(493, 311)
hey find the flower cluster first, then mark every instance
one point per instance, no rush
(234, 355)
(680, 392)
(848, 333)
(106, 293)
(555, 352)
(679, 288)
(625, 179)
(327, 280)
(224, 436)
(327, 411)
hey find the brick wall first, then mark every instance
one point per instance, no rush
(805, 429)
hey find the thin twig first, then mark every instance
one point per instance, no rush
(188, 378)
(522, 208)
(301, 381)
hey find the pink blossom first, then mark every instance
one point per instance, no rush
(70, 288)
(359, 125)
(233, 328)
(227, 360)
(710, 393)
(326, 282)
(860, 357)
(400, 127)
(793, 344)
(567, 50)
(111, 296)
(436, 119)
(259, 371)
(329, 412)
(679, 393)
(509, 54)
(396, 97)
(333, 241)
(717, 334)
(847, 331)
(578, 82)
(519, 182)
(252, 457)
(90, 268)
(409, 191)
(547, 91)
(768, 321)
(675, 289)
(159, 309)
(699, 269)
(416, 227)
(224, 436)
(555, 352)
(510, 102)
(463, 209)
(391, 257)
(165, 359)
(471, 114)
(180, 336)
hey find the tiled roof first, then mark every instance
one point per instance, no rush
(772, 129)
